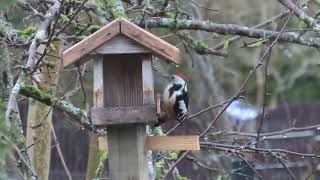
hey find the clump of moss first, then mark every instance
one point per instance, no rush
(117, 10)
(26, 33)
(33, 91)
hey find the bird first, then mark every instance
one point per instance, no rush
(175, 99)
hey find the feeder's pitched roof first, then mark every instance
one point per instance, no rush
(121, 27)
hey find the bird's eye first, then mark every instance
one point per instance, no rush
(172, 77)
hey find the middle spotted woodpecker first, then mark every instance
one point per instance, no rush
(175, 98)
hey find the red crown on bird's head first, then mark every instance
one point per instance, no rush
(183, 76)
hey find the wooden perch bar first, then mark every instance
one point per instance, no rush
(168, 143)
(163, 143)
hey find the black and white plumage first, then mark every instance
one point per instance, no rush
(175, 98)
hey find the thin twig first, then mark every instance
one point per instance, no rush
(249, 164)
(253, 149)
(285, 167)
(264, 95)
(65, 167)
(195, 115)
(207, 129)
(81, 85)
(267, 135)
(71, 19)
(34, 143)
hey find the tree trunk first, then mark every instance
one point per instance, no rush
(93, 159)
(40, 117)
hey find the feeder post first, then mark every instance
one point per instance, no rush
(98, 101)
(129, 82)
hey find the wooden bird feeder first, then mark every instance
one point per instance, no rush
(124, 94)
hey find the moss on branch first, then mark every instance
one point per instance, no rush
(76, 113)
(116, 9)
(233, 29)
(199, 46)
(7, 31)
(26, 33)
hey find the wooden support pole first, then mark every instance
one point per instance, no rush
(127, 154)
(126, 83)
(98, 101)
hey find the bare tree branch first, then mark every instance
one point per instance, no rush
(184, 24)
(301, 15)
(41, 34)
(249, 149)
(269, 135)
(264, 23)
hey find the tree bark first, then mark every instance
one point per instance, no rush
(93, 159)
(40, 119)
